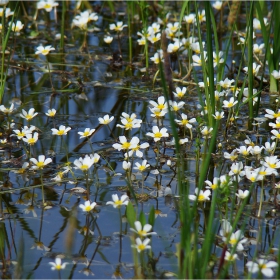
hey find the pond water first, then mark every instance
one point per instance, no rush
(85, 81)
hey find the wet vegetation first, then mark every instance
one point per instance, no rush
(139, 139)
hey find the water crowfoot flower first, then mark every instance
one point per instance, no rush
(105, 120)
(87, 207)
(125, 145)
(108, 39)
(30, 115)
(62, 130)
(118, 202)
(117, 27)
(47, 5)
(201, 196)
(57, 265)
(141, 167)
(262, 265)
(158, 134)
(31, 139)
(7, 110)
(51, 113)
(84, 163)
(141, 245)
(86, 133)
(142, 231)
(40, 163)
(44, 50)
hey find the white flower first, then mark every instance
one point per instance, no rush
(142, 231)
(31, 139)
(242, 194)
(180, 92)
(201, 16)
(197, 60)
(262, 265)
(232, 156)
(47, 5)
(17, 27)
(141, 245)
(158, 134)
(118, 202)
(158, 57)
(30, 115)
(272, 162)
(269, 147)
(218, 115)
(230, 103)
(217, 59)
(161, 104)
(276, 74)
(201, 196)
(41, 162)
(105, 120)
(108, 39)
(117, 27)
(7, 110)
(62, 130)
(57, 265)
(153, 38)
(86, 133)
(190, 18)
(125, 145)
(230, 257)
(243, 150)
(227, 83)
(141, 167)
(8, 12)
(126, 165)
(51, 113)
(271, 114)
(236, 239)
(258, 48)
(185, 122)
(206, 131)
(44, 50)
(257, 24)
(213, 185)
(84, 163)
(256, 69)
(217, 5)
(226, 228)
(25, 130)
(176, 106)
(87, 207)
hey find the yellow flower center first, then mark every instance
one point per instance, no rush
(233, 241)
(230, 104)
(45, 52)
(40, 164)
(214, 186)
(47, 6)
(129, 125)
(158, 135)
(86, 133)
(31, 141)
(118, 202)
(184, 122)
(142, 232)
(60, 132)
(88, 208)
(126, 145)
(160, 106)
(272, 165)
(262, 173)
(141, 247)
(142, 167)
(201, 197)
(276, 115)
(84, 167)
(58, 266)
(21, 134)
(28, 117)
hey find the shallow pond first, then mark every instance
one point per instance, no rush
(41, 214)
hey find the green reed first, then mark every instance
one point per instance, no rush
(5, 36)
